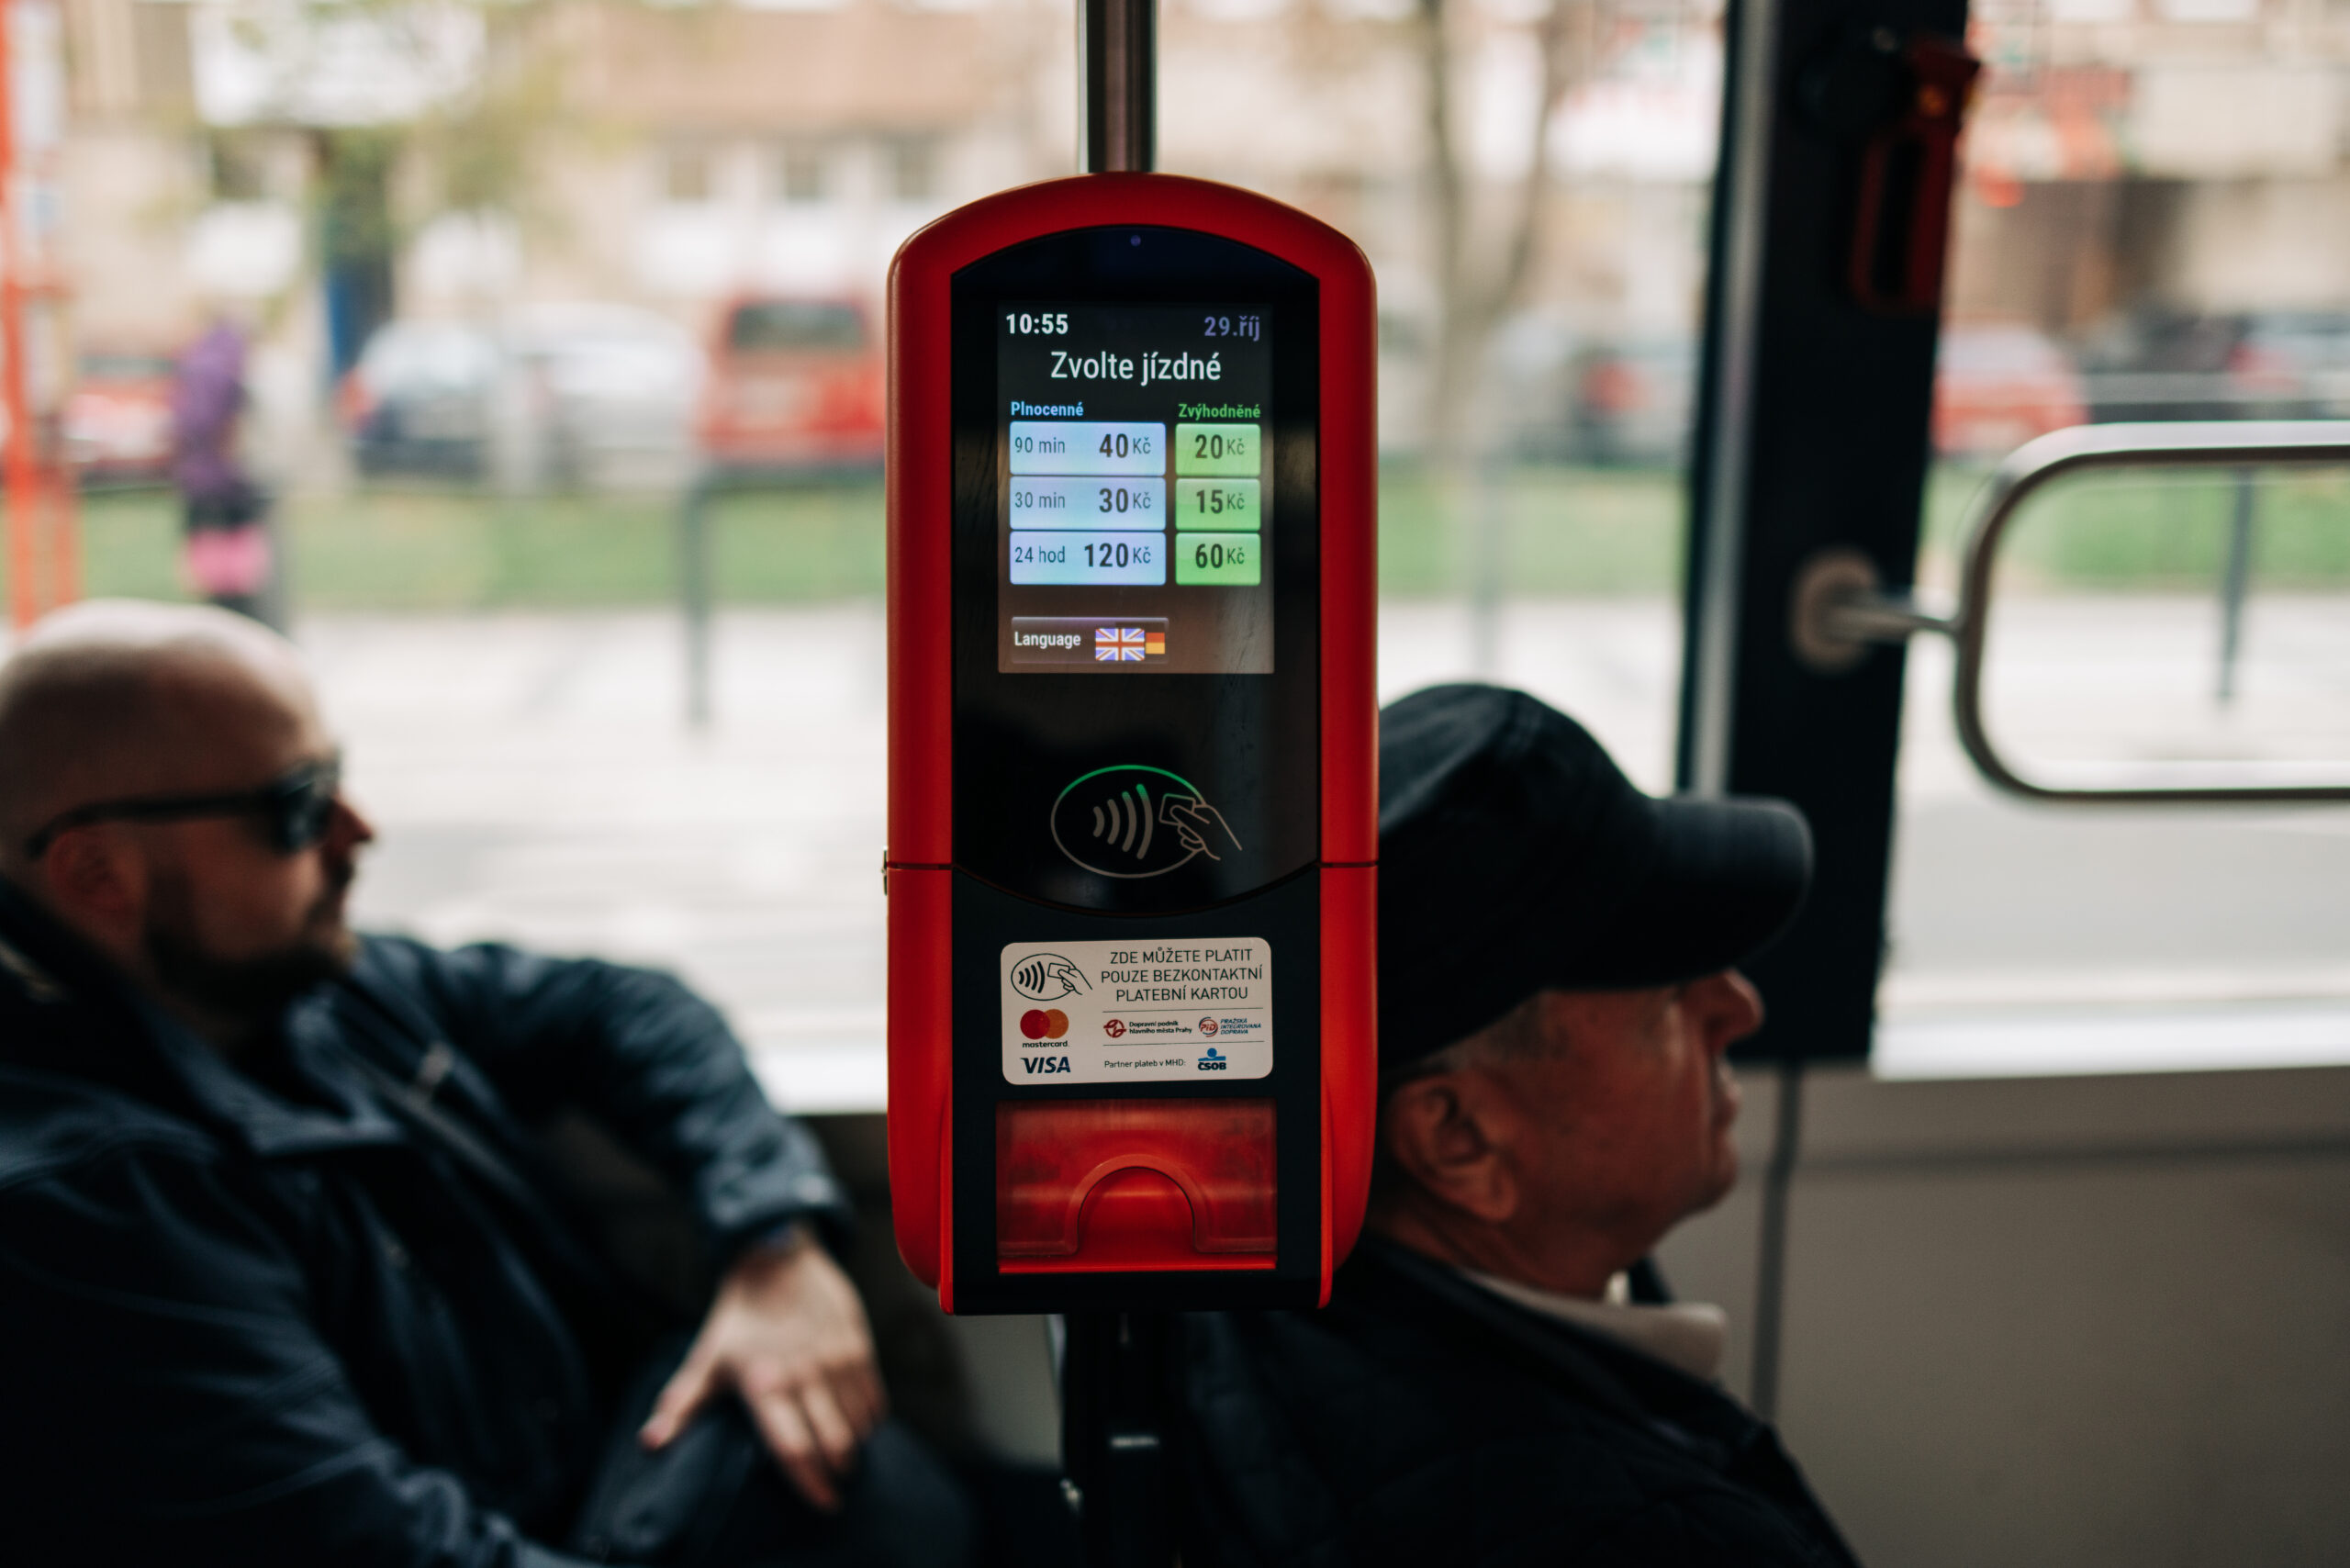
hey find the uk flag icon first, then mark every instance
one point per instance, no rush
(1118, 643)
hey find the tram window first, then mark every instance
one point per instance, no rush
(1534, 424)
(490, 560)
(2129, 246)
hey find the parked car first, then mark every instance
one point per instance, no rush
(794, 384)
(1526, 404)
(612, 388)
(1635, 401)
(1999, 383)
(583, 393)
(2293, 365)
(421, 399)
(2159, 363)
(118, 417)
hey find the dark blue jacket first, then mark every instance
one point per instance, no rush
(1420, 1420)
(305, 1313)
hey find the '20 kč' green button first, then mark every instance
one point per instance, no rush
(1220, 450)
(1218, 560)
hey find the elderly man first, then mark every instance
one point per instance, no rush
(1557, 993)
(283, 1275)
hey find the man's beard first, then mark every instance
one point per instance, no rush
(254, 988)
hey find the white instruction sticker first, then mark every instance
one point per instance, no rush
(1115, 1012)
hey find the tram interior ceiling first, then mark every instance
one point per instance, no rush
(1933, 414)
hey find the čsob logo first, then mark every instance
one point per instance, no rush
(1212, 1060)
(1132, 821)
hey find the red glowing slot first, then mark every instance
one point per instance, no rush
(1094, 1185)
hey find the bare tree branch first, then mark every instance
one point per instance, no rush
(1473, 301)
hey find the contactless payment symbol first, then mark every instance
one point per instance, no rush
(1132, 821)
(1047, 977)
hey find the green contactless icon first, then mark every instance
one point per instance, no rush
(1132, 821)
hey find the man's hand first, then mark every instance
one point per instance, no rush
(787, 1333)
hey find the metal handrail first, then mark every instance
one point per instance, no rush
(1851, 614)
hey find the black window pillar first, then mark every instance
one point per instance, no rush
(1812, 435)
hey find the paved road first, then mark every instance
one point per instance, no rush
(532, 781)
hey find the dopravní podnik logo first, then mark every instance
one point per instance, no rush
(1130, 821)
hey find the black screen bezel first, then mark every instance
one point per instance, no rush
(1252, 740)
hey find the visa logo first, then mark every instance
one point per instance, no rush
(1045, 1064)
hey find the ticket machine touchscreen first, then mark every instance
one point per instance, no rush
(1138, 452)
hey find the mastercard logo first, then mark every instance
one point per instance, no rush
(1043, 1024)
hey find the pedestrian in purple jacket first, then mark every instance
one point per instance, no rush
(228, 556)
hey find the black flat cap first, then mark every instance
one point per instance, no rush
(1514, 857)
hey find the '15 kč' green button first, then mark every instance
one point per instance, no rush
(1222, 504)
(1218, 560)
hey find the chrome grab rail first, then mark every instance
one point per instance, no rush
(1840, 611)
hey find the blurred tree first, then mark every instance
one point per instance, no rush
(355, 237)
(1485, 233)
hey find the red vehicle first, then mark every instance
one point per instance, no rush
(1997, 384)
(794, 384)
(118, 418)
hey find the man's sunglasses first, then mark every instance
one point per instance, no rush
(296, 807)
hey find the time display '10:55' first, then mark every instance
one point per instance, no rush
(1031, 323)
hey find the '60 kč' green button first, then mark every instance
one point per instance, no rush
(1219, 560)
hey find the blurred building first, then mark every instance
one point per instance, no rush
(2188, 154)
(448, 159)
(324, 168)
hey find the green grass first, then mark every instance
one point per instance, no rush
(2139, 533)
(423, 549)
(1560, 532)
(1563, 532)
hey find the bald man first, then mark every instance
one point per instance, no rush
(283, 1277)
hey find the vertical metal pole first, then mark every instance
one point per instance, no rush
(1720, 509)
(1486, 546)
(1117, 84)
(694, 572)
(1771, 1271)
(2236, 581)
(1116, 1400)
(1114, 1370)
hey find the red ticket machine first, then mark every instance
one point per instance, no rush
(1133, 804)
